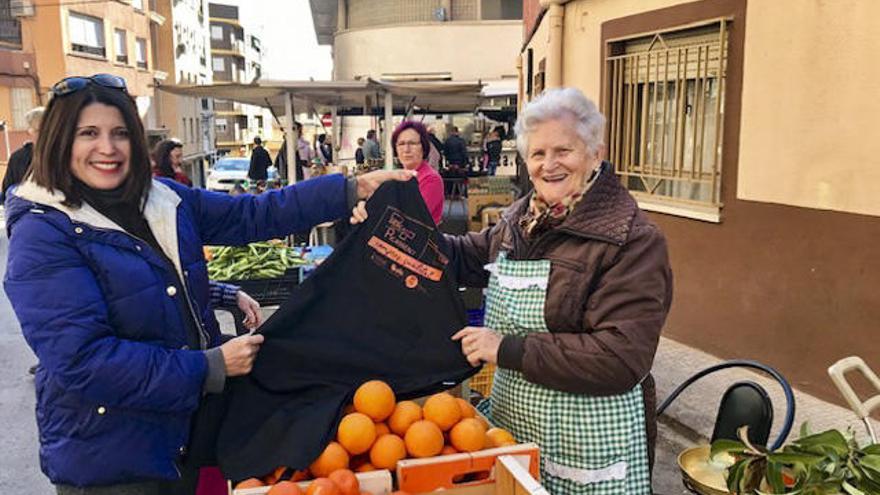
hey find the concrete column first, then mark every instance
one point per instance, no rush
(553, 71)
(290, 137)
(341, 15)
(389, 128)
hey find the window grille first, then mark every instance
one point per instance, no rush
(665, 104)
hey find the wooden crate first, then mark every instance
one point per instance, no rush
(374, 482)
(444, 472)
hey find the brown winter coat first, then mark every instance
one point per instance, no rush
(609, 291)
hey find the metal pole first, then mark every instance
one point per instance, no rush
(291, 137)
(389, 122)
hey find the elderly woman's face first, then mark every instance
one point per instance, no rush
(101, 147)
(409, 149)
(558, 160)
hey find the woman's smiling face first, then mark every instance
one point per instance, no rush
(558, 160)
(101, 147)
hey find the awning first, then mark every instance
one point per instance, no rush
(349, 97)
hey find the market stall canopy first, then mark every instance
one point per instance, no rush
(348, 97)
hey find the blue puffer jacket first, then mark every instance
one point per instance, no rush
(117, 386)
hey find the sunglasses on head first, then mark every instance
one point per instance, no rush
(73, 84)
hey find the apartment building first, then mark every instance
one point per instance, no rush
(183, 55)
(236, 57)
(743, 127)
(19, 84)
(419, 40)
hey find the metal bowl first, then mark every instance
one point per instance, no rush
(701, 474)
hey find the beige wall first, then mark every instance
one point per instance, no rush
(810, 106)
(469, 50)
(809, 102)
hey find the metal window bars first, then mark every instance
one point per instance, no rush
(665, 110)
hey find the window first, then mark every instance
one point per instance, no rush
(218, 64)
(141, 52)
(22, 100)
(138, 4)
(10, 26)
(86, 34)
(221, 125)
(216, 32)
(665, 116)
(121, 46)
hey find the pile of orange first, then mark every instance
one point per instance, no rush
(377, 432)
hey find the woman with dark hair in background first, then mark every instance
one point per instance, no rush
(168, 160)
(129, 346)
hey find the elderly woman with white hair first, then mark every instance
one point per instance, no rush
(579, 286)
(20, 160)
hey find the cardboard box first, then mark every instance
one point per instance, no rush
(476, 204)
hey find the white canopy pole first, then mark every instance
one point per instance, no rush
(389, 128)
(291, 137)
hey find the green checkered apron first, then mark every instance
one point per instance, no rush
(589, 445)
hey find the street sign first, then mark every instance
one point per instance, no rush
(327, 120)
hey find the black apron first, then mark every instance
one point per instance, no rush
(382, 306)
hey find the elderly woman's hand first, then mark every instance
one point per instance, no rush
(479, 344)
(358, 213)
(368, 183)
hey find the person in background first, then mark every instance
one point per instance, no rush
(324, 150)
(411, 144)
(372, 150)
(20, 160)
(260, 162)
(168, 160)
(455, 150)
(129, 347)
(359, 152)
(579, 286)
(493, 151)
(304, 155)
(435, 155)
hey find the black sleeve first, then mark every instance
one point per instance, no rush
(19, 162)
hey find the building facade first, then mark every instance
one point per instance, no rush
(19, 84)
(183, 48)
(418, 40)
(741, 126)
(236, 57)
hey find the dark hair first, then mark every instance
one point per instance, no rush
(258, 141)
(419, 128)
(50, 167)
(322, 138)
(371, 133)
(162, 157)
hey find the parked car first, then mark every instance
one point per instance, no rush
(231, 169)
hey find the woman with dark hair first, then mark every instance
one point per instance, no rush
(168, 158)
(129, 346)
(411, 146)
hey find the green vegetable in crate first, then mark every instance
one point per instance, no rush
(254, 261)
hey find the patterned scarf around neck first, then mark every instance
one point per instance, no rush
(542, 216)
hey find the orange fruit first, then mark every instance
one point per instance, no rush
(334, 457)
(498, 437)
(468, 435)
(424, 439)
(399, 492)
(300, 475)
(356, 433)
(467, 410)
(483, 421)
(285, 488)
(375, 399)
(448, 449)
(443, 410)
(387, 450)
(382, 429)
(275, 475)
(346, 481)
(322, 486)
(250, 483)
(405, 413)
(365, 468)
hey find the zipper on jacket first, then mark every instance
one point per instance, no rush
(203, 337)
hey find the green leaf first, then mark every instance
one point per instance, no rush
(805, 430)
(805, 459)
(872, 449)
(831, 440)
(851, 490)
(774, 476)
(723, 446)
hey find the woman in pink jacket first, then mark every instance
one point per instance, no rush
(411, 147)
